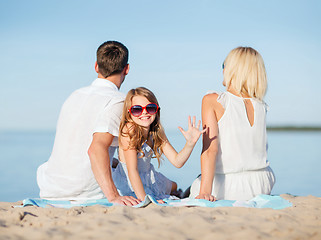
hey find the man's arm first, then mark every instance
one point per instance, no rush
(100, 164)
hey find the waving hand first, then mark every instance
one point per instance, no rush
(193, 133)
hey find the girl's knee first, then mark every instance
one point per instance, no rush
(174, 186)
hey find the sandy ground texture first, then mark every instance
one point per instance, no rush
(302, 221)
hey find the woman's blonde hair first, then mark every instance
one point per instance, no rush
(244, 71)
(135, 132)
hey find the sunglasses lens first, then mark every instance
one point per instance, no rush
(151, 108)
(136, 110)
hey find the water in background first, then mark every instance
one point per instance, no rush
(295, 158)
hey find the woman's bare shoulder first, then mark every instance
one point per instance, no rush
(210, 99)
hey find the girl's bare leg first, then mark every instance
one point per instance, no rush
(174, 187)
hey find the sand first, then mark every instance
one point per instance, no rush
(302, 221)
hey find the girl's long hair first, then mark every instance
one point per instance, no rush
(245, 71)
(135, 132)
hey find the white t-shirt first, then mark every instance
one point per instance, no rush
(68, 174)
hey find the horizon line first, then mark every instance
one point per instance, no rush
(282, 127)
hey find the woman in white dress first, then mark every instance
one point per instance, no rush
(234, 161)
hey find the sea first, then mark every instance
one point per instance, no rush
(294, 156)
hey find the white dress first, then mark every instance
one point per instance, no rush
(242, 169)
(155, 183)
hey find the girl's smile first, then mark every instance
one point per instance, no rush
(145, 118)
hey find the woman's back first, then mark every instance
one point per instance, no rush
(241, 167)
(242, 134)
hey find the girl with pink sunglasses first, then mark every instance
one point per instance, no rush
(141, 137)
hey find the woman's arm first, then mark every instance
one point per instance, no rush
(191, 135)
(210, 146)
(130, 156)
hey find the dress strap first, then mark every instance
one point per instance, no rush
(266, 106)
(146, 147)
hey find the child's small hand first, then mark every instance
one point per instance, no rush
(193, 133)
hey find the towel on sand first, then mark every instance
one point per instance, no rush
(260, 201)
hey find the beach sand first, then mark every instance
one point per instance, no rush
(302, 221)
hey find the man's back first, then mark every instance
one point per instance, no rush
(67, 174)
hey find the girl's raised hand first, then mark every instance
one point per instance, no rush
(193, 133)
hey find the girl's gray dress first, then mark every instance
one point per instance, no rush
(155, 183)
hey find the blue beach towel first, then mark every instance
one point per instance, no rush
(260, 201)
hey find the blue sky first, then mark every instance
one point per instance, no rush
(176, 49)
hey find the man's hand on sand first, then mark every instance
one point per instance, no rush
(207, 197)
(125, 200)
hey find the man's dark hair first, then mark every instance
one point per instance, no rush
(112, 57)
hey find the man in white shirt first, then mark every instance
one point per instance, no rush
(79, 167)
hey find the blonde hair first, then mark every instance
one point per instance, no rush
(244, 71)
(135, 132)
